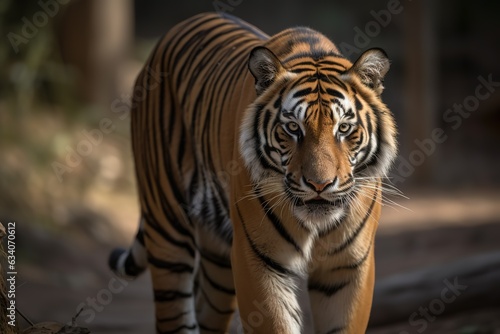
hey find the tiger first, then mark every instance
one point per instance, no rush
(260, 162)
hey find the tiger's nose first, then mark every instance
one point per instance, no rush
(319, 186)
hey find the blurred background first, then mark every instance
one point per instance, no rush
(66, 174)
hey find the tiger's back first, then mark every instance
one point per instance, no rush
(248, 186)
(183, 136)
(195, 124)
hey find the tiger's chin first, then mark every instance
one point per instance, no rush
(320, 214)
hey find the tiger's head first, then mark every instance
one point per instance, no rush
(317, 129)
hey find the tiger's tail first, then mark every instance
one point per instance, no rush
(130, 263)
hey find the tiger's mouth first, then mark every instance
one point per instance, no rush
(321, 203)
(319, 212)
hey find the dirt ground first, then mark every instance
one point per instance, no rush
(63, 271)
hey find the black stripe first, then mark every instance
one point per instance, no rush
(150, 137)
(181, 149)
(336, 93)
(277, 103)
(327, 290)
(329, 62)
(215, 308)
(302, 92)
(215, 259)
(376, 154)
(298, 103)
(173, 267)
(359, 105)
(305, 80)
(294, 312)
(349, 180)
(174, 219)
(167, 237)
(173, 318)
(361, 136)
(266, 125)
(360, 163)
(306, 63)
(161, 296)
(333, 79)
(277, 223)
(352, 237)
(299, 70)
(356, 264)
(270, 263)
(216, 285)
(258, 145)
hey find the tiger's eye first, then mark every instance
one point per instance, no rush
(344, 128)
(293, 127)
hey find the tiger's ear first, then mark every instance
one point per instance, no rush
(371, 67)
(265, 67)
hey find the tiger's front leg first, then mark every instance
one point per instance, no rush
(341, 299)
(265, 288)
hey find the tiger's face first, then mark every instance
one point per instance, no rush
(317, 147)
(317, 130)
